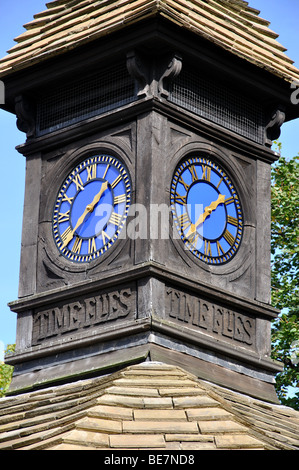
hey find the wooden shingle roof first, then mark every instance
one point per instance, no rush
(230, 24)
(145, 406)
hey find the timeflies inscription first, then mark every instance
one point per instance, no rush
(81, 314)
(223, 323)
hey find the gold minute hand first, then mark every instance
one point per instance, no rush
(208, 210)
(89, 208)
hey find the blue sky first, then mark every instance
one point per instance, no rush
(283, 15)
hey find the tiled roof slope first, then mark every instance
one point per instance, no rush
(145, 406)
(230, 24)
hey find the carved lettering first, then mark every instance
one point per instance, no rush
(58, 320)
(90, 311)
(74, 315)
(174, 297)
(81, 314)
(203, 314)
(243, 330)
(228, 324)
(41, 321)
(218, 321)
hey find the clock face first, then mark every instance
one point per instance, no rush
(207, 210)
(91, 208)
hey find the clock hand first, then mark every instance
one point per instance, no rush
(97, 197)
(89, 208)
(208, 210)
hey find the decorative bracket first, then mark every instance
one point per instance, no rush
(174, 67)
(25, 116)
(272, 129)
(143, 71)
(139, 72)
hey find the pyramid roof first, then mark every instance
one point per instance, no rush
(230, 24)
(147, 406)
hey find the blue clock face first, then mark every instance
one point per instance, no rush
(206, 210)
(91, 208)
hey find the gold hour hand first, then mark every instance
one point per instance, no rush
(89, 208)
(208, 210)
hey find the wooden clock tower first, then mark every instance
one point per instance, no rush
(146, 232)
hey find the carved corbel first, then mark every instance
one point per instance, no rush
(173, 68)
(140, 73)
(25, 116)
(272, 129)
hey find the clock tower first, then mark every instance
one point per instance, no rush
(146, 230)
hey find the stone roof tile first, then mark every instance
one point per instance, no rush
(105, 413)
(231, 25)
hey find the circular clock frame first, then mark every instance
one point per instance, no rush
(91, 208)
(206, 209)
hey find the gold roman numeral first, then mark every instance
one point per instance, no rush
(193, 238)
(229, 200)
(115, 218)
(78, 182)
(219, 183)
(91, 171)
(180, 199)
(66, 237)
(105, 172)
(184, 221)
(186, 186)
(67, 199)
(229, 237)
(63, 217)
(193, 173)
(77, 246)
(116, 181)
(232, 220)
(92, 248)
(119, 199)
(206, 173)
(105, 237)
(208, 251)
(219, 249)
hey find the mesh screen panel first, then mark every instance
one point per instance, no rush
(218, 103)
(85, 98)
(113, 87)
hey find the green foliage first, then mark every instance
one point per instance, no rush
(285, 346)
(6, 372)
(285, 270)
(285, 232)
